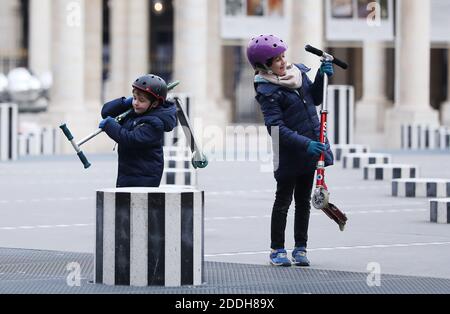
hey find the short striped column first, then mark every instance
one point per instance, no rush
(179, 177)
(178, 163)
(421, 187)
(9, 115)
(390, 171)
(440, 211)
(341, 150)
(149, 237)
(171, 151)
(419, 136)
(341, 103)
(177, 138)
(443, 138)
(42, 141)
(358, 161)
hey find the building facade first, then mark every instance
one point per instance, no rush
(95, 49)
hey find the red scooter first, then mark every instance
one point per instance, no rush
(321, 195)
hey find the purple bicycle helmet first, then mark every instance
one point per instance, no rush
(264, 47)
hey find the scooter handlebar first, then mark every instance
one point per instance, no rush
(320, 53)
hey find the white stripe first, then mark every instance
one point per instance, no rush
(109, 232)
(442, 213)
(139, 240)
(198, 238)
(319, 213)
(421, 189)
(173, 240)
(342, 116)
(359, 247)
(401, 189)
(441, 189)
(46, 226)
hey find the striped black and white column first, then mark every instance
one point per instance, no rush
(43, 141)
(176, 152)
(8, 131)
(341, 150)
(341, 103)
(149, 237)
(179, 177)
(177, 163)
(422, 136)
(421, 187)
(358, 161)
(440, 211)
(390, 171)
(177, 138)
(443, 138)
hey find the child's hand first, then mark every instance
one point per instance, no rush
(316, 148)
(326, 68)
(104, 122)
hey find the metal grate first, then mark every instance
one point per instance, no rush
(44, 272)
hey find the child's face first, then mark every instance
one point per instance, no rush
(141, 103)
(279, 65)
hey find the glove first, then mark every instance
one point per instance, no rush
(326, 68)
(316, 148)
(104, 122)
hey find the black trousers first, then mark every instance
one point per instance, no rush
(301, 188)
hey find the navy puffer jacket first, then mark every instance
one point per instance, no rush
(293, 114)
(141, 159)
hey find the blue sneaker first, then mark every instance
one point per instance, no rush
(299, 257)
(279, 258)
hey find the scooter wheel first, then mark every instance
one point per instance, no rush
(320, 199)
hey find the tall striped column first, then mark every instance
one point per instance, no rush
(341, 107)
(149, 237)
(8, 131)
(177, 138)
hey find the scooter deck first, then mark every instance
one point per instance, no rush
(337, 215)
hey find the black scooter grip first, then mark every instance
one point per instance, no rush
(84, 160)
(340, 63)
(320, 53)
(314, 51)
(66, 132)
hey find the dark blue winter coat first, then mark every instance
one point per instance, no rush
(139, 138)
(294, 113)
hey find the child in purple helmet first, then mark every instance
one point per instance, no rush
(288, 100)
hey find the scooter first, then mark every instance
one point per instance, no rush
(321, 195)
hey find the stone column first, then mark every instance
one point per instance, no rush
(191, 50)
(129, 45)
(40, 36)
(307, 28)
(11, 30)
(215, 90)
(445, 109)
(413, 88)
(68, 92)
(198, 65)
(68, 56)
(93, 55)
(370, 110)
